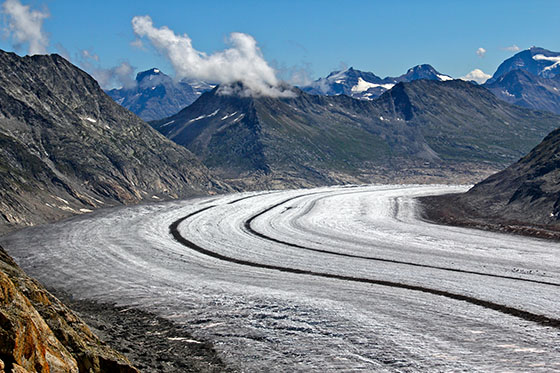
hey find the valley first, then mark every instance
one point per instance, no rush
(265, 207)
(307, 280)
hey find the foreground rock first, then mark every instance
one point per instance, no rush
(39, 334)
(67, 148)
(523, 198)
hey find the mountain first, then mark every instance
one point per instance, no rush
(531, 79)
(66, 147)
(537, 61)
(157, 96)
(366, 85)
(422, 72)
(523, 198)
(520, 87)
(314, 140)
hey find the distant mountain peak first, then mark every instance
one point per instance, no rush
(366, 85)
(536, 60)
(144, 74)
(157, 95)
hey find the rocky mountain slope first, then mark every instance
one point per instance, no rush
(39, 334)
(522, 88)
(157, 95)
(523, 198)
(365, 85)
(66, 147)
(526, 192)
(537, 61)
(530, 79)
(313, 140)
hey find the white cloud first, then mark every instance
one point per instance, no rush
(87, 54)
(137, 43)
(243, 62)
(512, 48)
(25, 26)
(477, 75)
(480, 52)
(121, 75)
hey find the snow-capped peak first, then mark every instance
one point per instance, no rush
(363, 86)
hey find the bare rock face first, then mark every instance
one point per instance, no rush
(68, 148)
(39, 334)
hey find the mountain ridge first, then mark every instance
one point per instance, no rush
(155, 95)
(334, 138)
(68, 148)
(367, 85)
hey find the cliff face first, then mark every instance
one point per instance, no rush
(39, 334)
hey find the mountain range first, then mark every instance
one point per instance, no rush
(156, 95)
(366, 85)
(530, 79)
(317, 140)
(66, 147)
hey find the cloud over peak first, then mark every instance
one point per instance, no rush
(25, 26)
(477, 75)
(242, 62)
(512, 48)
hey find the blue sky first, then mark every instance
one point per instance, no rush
(309, 37)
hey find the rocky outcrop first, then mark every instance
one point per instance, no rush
(39, 334)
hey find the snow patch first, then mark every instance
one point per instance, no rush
(364, 86)
(186, 340)
(204, 116)
(506, 92)
(229, 115)
(444, 78)
(168, 123)
(61, 200)
(554, 59)
(90, 119)
(238, 118)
